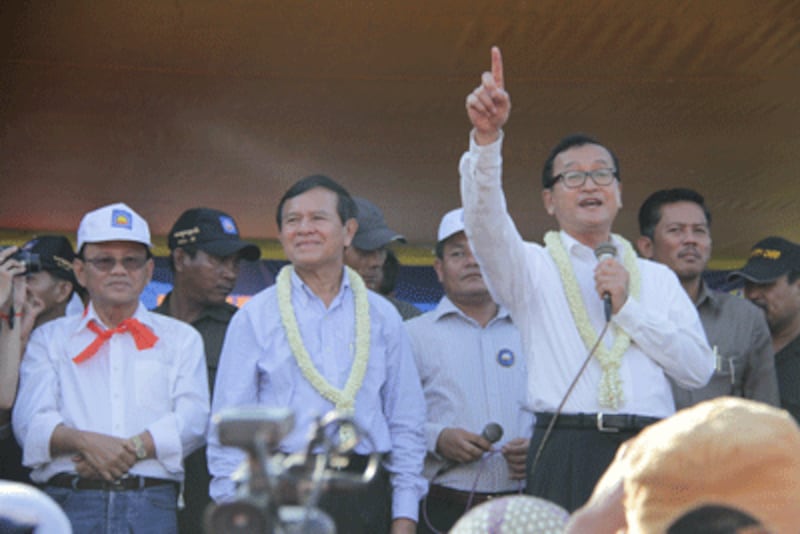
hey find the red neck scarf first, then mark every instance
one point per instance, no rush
(142, 336)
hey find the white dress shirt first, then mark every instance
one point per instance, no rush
(120, 391)
(471, 376)
(257, 368)
(665, 330)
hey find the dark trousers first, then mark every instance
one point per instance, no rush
(195, 493)
(438, 515)
(11, 467)
(364, 510)
(571, 463)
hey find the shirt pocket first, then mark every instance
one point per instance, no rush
(152, 385)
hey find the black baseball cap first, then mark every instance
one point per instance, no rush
(770, 259)
(55, 255)
(212, 231)
(373, 232)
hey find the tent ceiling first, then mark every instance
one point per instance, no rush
(169, 105)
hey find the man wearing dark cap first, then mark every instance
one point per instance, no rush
(52, 287)
(367, 253)
(772, 282)
(205, 251)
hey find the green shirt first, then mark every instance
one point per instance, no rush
(212, 325)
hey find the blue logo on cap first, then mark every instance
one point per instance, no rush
(228, 226)
(121, 219)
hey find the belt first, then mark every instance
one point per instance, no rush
(349, 463)
(128, 483)
(455, 496)
(604, 422)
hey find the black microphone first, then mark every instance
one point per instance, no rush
(606, 251)
(492, 433)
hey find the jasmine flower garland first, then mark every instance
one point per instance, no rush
(343, 399)
(610, 392)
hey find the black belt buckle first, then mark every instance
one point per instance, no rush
(602, 427)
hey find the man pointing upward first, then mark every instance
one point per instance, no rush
(555, 296)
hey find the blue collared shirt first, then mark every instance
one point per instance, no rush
(257, 368)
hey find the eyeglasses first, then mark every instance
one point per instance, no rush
(575, 179)
(107, 263)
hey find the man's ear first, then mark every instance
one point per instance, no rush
(178, 259)
(63, 290)
(437, 266)
(79, 269)
(645, 247)
(547, 200)
(350, 228)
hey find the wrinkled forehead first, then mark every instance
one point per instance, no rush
(583, 157)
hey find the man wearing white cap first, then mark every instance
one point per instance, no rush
(470, 361)
(111, 401)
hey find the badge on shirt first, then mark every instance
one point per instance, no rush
(505, 357)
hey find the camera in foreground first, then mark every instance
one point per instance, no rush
(278, 493)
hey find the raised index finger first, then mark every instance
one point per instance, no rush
(497, 67)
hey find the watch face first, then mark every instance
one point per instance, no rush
(138, 445)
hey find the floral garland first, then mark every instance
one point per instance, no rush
(610, 393)
(343, 399)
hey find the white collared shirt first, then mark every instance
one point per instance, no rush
(665, 330)
(471, 376)
(120, 391)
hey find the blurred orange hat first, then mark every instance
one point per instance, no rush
(726, 451)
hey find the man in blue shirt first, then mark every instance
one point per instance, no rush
(317, 341)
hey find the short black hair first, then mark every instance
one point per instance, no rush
(572, 141)
(345, 205)
(439, 249)
(712, 519)
(650, 211)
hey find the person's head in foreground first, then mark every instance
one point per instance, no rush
(726, 452)
(516, 513)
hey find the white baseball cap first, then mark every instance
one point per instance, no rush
(452, 223)
(115, 222)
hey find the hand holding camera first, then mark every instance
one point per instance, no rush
(10, 266)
